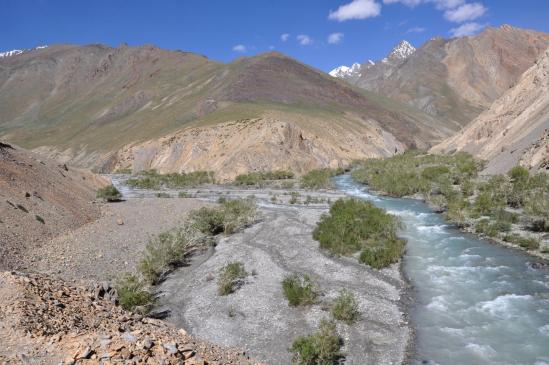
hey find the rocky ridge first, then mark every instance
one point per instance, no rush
(456, 79)
(515, 129)
(48, 321)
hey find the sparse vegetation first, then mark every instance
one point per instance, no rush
(321, 348)
(299, 290)
(40, 219)
(109, 194)
(132, 294)
(354, 225)
(491, 206)
(228, 218)
(166, 250)
(163, 195)
(153, 180)
(345, 307)
(231, 277)
(320, 178)
(259, 178)
(183, 194)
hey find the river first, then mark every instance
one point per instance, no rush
(475, 302)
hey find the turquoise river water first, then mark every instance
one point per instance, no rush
(474, 302)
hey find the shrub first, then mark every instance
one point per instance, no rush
(183, 194)
(237, 214)
(345, 307)
(321, 348)
(518, 174)
(153, 180)
(529, 243)
(353, 225)
(294, 198)
(207, 220)
(229, 217)
(163, 195)
(257, 178)
(109, 194)
(166, 250)
(132, 295)
(434, 172)
(382, 255)
(231, 277)
(540, 225)
(320, 178)
(299, 290)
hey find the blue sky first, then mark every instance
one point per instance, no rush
(322, 33)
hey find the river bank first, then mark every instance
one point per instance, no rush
(474, 302)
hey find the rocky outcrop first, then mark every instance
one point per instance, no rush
(40, 199)
(47, 321)
(262, 144)
(515, 130)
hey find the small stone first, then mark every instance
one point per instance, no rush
(171, 348)
(147, 343)
(120, 222)
(127, 336)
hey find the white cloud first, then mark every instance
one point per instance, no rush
(448, 4)
(466, 29)
(416, 30)
(410, 3)
(465, 12)
(304, 39)
(240, 48)
(335, 38)
(356, 9)
(284, 37)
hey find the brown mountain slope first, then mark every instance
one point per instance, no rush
(39, 199)
(89, 104)
(456, 79)
(515, 130)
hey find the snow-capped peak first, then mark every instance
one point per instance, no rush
(10, 53)
(401, 51)
(16, 52)
(346, 71)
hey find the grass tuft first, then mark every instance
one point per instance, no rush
(299, 290)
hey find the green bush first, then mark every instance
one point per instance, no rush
(320, 178)
(382, 255)
(163, 195)
(109, 194)
(229, 217)
(299, 290)
(231, 277)
(321, 348)
(153, 180)
(132, 294)
(529, 243)
(183, 194)
(345, 307)
(207, 220)
(166, 250)
(354, 225)
(257, 178)
(519, 174)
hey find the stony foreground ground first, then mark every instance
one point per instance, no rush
(257, 317)
(46, 321)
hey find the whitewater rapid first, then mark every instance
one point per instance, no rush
(474, 302)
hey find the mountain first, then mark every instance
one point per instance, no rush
(455, 80)
(352, 74)
(96, 105)
(515, 129)
(16, 52)
(40, 199)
